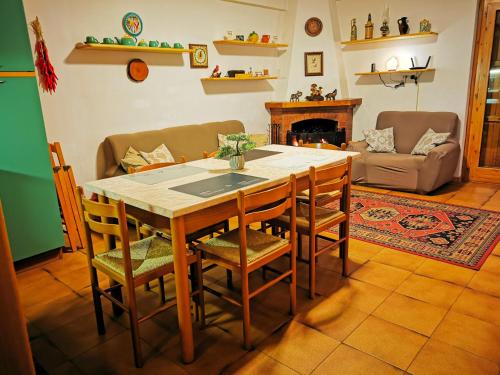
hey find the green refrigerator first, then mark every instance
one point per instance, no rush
(27, 188)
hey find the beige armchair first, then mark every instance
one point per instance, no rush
(401, 170)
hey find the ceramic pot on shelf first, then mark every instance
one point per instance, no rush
(404, 28)
(237, 162)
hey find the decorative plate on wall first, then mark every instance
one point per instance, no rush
(137, 70)
(199, 56)
(313, 26)
(132, 24)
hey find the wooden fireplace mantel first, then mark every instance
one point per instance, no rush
(284, 114)
(320, 104)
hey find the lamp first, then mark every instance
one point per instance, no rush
(392, 63)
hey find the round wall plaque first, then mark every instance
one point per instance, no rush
(313, 26)
(132, 24)
(137, 70)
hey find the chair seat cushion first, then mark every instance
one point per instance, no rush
(227, 246)
(323, 215)
(146, 255)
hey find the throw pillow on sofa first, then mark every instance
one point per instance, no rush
(259, 139)
(161, 154)
(380, 140)
(428, 141)
(132, 159)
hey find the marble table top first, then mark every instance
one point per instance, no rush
(160, 199)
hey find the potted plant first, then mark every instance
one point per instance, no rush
(236, 145)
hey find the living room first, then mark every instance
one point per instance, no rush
(168, 121)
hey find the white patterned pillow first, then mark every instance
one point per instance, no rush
(428, 141)
(380, 140)
(161, 154)
(132, 159)
(260, 139)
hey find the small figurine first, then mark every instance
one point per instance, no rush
(253, 37)
(296, 97)
(216, 73)
(354, 30)
(331, 95)
(369, 27)
(315, 93)
(425, 26)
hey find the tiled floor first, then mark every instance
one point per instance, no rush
(396, 313)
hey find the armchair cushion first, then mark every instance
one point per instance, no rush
(380, 140)
(428, 141)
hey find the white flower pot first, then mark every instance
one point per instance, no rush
(237, 162)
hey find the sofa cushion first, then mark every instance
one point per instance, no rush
(428, 141)
(160, 154)
(409, 126)
(379, 140)
(259, 139)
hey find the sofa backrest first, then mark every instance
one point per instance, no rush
(409, 126)
(189, 141)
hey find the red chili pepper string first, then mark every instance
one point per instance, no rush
(47, 76)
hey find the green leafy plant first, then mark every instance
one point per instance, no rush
(237, 144)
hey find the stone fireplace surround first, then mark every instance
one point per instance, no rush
(287, 113)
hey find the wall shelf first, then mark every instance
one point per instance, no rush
(259, 78)
(389, 38)
(404, 71)
(118, 48)
(249, 44)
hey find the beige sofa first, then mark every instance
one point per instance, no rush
(189, 141)
(401, 170)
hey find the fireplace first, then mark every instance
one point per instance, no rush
(316, 131)
(288, 118)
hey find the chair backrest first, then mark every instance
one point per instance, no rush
(265, 205)
(107, 219)
(323, 146)
(328, 179)
(409, 126)
(55, 149)
(149, 167)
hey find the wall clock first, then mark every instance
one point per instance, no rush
(313, 26)
(132, 24)
(199, 57)
(313, 63)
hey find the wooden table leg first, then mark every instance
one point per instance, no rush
(182, 288)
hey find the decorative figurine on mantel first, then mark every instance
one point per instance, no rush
(369, 27)
(354, 30)
(315, 93)
(331, 95)
(296, 97)
(216, 73)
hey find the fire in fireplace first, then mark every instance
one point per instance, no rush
(316, 131)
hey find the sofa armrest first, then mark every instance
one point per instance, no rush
(357, 146)
(439, 167)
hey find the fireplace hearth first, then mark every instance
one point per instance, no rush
(316, 131)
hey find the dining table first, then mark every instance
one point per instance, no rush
(195, 195)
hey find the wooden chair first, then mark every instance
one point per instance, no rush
(149, 167)
(129, 266)
(312, 220)
(207, 155)
(245, 250)
(323, 146)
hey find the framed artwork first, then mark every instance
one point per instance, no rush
(313, 63)
(199, 57)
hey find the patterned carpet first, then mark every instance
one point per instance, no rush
(454, 234)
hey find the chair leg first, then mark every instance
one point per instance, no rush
(161, 284)
(201, 296)
(147, 287)
(226, 226)
(315, 248)
(344, 249)
(312, 266)
(116, 293)
(193, 272)
(134, 326)
(229, 279)
(293, 283)
(246, 311)
(96, 296)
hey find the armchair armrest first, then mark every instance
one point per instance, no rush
(357, 146)
(439, 167)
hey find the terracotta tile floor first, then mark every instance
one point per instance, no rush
(396, 313)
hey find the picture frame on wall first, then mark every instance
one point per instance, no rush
(199, 57)
(313, 63)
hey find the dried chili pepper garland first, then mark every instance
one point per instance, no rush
(47, 76)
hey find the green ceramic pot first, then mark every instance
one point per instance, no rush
(126, 40)
(108, 41)
(237, 162)
(154, 43)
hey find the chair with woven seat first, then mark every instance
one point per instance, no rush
(245, 250)
(312, 219)
(130, 265)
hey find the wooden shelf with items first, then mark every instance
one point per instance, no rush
(403, 71)
(389, 38)
(258, 78)
(249, 44)
(124, 48)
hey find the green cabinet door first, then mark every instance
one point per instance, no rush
(27, 187)
(15, 48)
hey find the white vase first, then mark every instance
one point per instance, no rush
(237, 162)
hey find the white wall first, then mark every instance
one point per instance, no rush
(451, 52)
(94, 97)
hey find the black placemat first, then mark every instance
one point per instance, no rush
(218, 185)
(257, 154)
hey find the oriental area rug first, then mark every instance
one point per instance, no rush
(453, 234)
